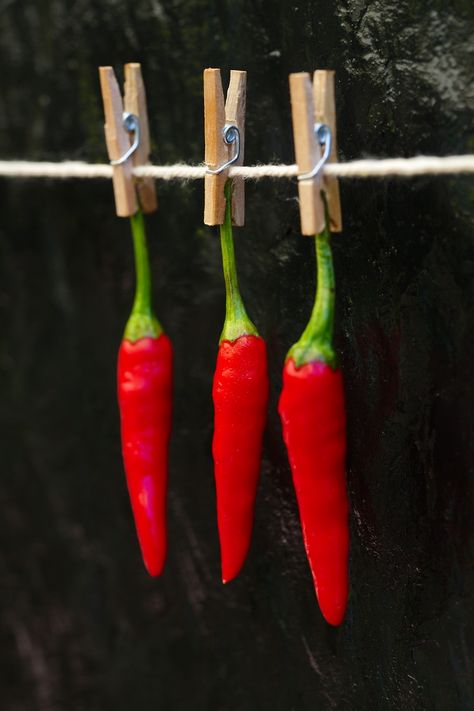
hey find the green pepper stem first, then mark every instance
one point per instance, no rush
(321, 322)
(316, 340)
(142, 301)
(142, 322)
(237, 322)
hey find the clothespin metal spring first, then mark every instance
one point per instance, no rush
(131, 124)
(230, 135)
(324, 136)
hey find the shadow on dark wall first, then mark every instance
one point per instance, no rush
(82, 627)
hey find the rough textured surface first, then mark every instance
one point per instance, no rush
(81, 625)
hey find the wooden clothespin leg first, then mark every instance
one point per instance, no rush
(217, 152)
(235, 114)
(325, 112)
(135, 103)
(119, 140)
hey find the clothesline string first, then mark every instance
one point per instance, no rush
(366, 168)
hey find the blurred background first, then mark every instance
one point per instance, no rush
(82, 627)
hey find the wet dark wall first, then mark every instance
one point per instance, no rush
(82, 627)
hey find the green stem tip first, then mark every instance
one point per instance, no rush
(316, 340)
(237, 322)
(142, 322)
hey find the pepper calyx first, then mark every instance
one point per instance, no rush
(235, 329)
(303, 353)
(142, 325)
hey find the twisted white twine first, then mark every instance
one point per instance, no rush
(367, 168)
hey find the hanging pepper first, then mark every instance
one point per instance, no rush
(144, 378)
(240, 394)
(312, 411)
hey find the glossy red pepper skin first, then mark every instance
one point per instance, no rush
(144, 379)
(240, 395)
(312, 411)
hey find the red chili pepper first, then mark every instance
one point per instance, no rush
(314, 429)
(240, 394)
(144, 379)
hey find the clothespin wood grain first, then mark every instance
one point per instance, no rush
(118, 139)
(217, 152)
(118, 142)
(135, 103)
(325, 112)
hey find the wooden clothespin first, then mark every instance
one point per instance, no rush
(314, 103)
(219, 152)
(129, 192)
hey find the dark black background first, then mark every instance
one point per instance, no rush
(81, 625)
